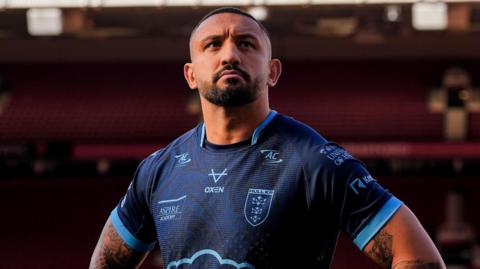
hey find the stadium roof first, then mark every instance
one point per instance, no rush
(161, 3)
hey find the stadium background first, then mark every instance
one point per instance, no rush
(81, 106)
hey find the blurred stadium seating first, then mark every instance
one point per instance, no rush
(80, 110)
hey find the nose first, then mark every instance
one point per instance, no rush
(230, 54)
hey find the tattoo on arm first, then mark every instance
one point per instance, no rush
(418, 264)
(381, 250)
(111, 252)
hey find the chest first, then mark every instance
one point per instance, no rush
(211, 198)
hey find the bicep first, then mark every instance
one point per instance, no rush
(112, 252)
(403, 243)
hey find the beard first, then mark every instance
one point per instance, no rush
(236, 93)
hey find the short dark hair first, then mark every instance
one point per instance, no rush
(235, 11)
(230, 10)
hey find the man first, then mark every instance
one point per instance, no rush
(250, 188)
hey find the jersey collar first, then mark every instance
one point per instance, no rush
(256, 134)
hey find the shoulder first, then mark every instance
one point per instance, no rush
(309, 144)
(302, 137)
(162, 156)
(297, 131)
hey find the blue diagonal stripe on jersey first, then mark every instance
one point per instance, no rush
(173, 200)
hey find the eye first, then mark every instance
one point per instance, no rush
(213, 44)
(246, 44)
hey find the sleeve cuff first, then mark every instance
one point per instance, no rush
(129, 238)
(378, 221)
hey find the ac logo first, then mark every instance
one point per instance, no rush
(271, 156)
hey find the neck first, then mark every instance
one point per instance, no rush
(228, 125)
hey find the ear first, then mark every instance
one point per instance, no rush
(190, 75)
(275, 72)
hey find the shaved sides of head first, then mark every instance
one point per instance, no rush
(231, 10)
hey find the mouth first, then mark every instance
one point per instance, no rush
(230, 74)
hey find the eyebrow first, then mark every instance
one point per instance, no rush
(239, 36)
(210, 37)
(247, 36)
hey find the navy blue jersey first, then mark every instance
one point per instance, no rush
(276, 200)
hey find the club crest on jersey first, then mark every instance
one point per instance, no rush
(271, 156)
(183, 159)
(257, 206)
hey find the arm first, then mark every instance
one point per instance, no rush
(112, 252)
(403, 244)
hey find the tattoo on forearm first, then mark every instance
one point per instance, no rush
(120, 257)
(382, 249)
(113, 253)
(418, 264)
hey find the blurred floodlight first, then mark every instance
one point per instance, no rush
(286, 2)
(95, 3)
(260, 13)
(181, 2)
(44, 21)
(156, 3)
(388, 1)
(224, 2)
(131, 3)
(430, 16)
(334, 2)
(393, 13)
(45, 3)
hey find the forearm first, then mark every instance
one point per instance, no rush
(418, 264)
(404, 244)
(380, 250)
(111, 252)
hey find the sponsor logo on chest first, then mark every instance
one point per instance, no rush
(271, 156)
(216, 175)
(171, 209)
